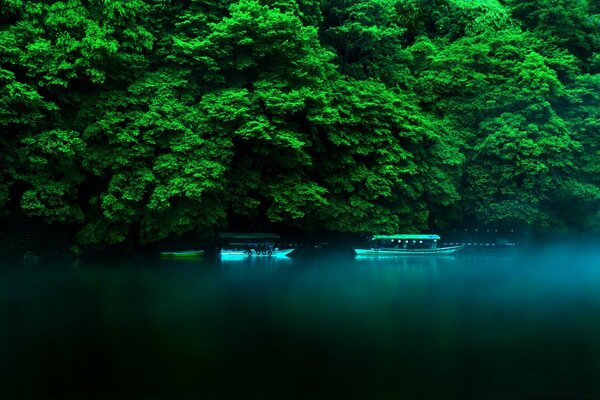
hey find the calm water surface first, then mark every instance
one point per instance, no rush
(478, 325)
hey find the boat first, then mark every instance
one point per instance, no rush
(182, 254)
(255, 253)
(406, 245)
(242, 245)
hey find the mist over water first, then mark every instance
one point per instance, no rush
(476, 325)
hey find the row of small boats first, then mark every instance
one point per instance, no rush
(242, 245)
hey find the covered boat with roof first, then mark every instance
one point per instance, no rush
(242, 244)
(405, 244)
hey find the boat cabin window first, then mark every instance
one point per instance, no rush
(409, 243)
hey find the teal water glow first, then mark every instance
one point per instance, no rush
(481, 325)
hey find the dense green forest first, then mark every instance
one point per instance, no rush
(136, 120)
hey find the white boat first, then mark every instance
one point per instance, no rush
(399, 252)
(246, 244)
(406, 245)
(255, 253)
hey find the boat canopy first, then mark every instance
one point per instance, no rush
(407, 237)
(247, 235)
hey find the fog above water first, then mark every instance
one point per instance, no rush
(480, 324)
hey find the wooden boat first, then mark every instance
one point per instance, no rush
(397, 252)
(182, 254)
(255, 253)
(241, 245)
(406, 245)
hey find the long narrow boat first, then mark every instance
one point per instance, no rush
(406, 245)
(255, 253)
(182, 254)
(251, 244)
(407, 252)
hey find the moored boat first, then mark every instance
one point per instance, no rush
(406, 244)
(182, 254)
(241, 245)
(255, 253)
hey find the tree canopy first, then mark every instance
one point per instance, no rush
(135, 120)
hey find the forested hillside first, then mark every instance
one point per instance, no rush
(133, 120)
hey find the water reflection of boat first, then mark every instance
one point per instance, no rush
(406, 245)
(244, 245)
(394, 261)
(255, 261)
(405, 262)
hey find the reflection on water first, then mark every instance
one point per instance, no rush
(408, 264)
(255, 261)
(480, 325)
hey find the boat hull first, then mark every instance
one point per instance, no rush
(254, 253)
(182, 254)
(407, 252)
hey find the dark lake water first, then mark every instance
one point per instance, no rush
(482, 325)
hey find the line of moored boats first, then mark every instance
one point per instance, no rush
(243, 245)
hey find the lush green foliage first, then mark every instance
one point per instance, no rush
(140, 119)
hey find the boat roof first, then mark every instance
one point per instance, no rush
(247, 235)
(407, 236)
